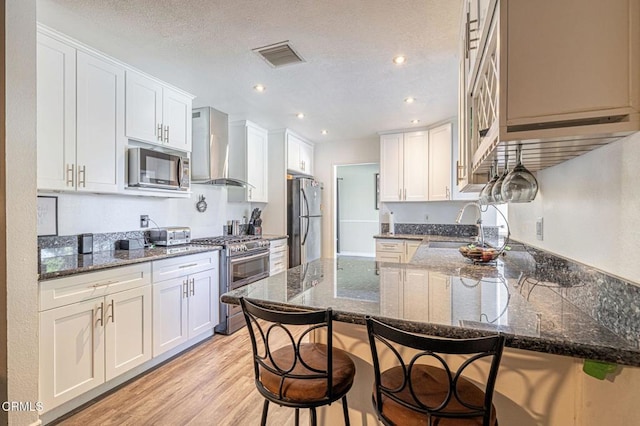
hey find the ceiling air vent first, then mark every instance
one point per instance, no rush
(279, 54)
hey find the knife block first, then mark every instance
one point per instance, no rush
(255, 230)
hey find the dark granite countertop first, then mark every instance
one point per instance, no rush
(61, 266)
(523, 296)
(272, 237)
(424, 237)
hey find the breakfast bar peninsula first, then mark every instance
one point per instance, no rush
(555, 314)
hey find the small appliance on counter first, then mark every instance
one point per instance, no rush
(170, 236)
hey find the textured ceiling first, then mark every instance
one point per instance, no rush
(348, 84)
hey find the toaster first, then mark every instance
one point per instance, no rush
(170, 236)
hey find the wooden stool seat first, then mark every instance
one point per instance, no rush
(431, 385)
(314, 355)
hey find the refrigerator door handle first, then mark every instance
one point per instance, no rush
(306, 203)
(306, 232)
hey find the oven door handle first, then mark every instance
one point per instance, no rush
(255, 256)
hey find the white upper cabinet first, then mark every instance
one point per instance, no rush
(248, 161)
(80, 119)
(56, 114)
(440, 163)
(144, 109)
(299, 155)
(157, 114)
(559, 79)
(413, 167)
(100, 126)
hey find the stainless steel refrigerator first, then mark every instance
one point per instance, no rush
(304, 220)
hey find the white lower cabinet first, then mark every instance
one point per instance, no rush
(396, 250)
(187, 305)
(278, 259)
(93, 327)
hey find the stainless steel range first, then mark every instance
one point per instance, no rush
(245, 259)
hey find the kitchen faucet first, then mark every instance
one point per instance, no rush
(478, 223)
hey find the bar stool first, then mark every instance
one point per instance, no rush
(299, 375)
(411, 393)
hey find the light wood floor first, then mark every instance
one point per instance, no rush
(212, 384)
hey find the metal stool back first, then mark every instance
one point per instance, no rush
(305, 373)
(433, 393)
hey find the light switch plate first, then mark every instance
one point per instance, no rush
(539, 228)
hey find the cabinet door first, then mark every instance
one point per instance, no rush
(170, 304)
(439, 299)
(127, 330)
(176, 119)
(416, 295)
(293, 153)
(416, 166)
(440, 163)
(306, 158)
(100, 125)
(257, 164)
(143, 119)
(391, 167)
(410, 249)
(71, 351)
(203, 288)
(56, 114)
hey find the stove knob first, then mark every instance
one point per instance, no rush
(244, 247)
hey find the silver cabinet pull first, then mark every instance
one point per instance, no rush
(70, 174)
(187, 266)
(159, 132)
(106, 283)
(112, 305)
(185, 289)
(193, 286)
(166, 134)
(100, 318)
(82, 171)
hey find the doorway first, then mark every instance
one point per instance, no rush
(356, 213)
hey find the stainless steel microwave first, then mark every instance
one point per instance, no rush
(154, 169)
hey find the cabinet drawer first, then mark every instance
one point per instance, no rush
(278, 245)
(167, 269)
(390, 246)
(389, 257)
(78, 288)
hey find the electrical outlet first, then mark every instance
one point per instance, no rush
(539, 228)
(144, 221)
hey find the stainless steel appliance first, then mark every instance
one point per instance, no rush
(155, 169)
(304, 220)
(170, 236)
(244, 259)
(210, 148)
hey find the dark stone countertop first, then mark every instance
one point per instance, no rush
(61, 266)
(425, 237)
(272, 237)
(446, 295)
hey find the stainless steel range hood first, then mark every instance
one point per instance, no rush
(210, 150)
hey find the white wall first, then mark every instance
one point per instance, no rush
(590, 207)
(358, 215)
(21, 376)
(327, 155)
(80, 213)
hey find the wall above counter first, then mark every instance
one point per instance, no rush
(560, 92)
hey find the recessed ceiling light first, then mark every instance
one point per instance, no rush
(324, 132)
(410, 100)
(400, 59)
(300, 115)
(415, 121)
(259, 88)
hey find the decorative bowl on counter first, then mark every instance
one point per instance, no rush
(480, 254)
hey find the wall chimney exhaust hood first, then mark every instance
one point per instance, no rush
(210, 150)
